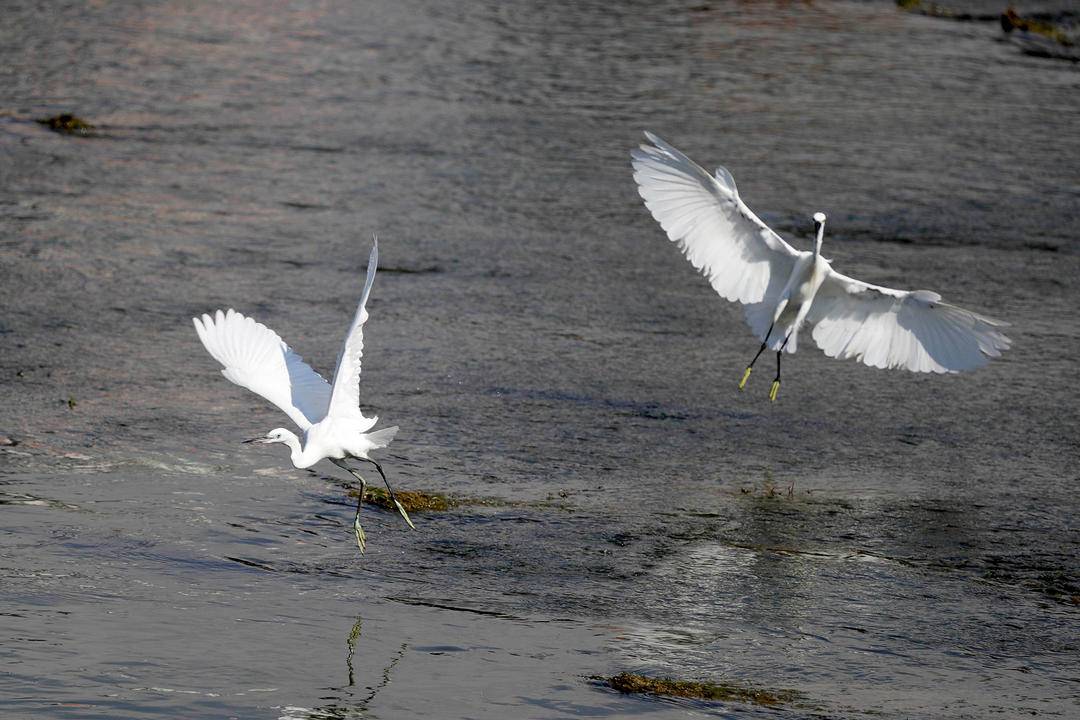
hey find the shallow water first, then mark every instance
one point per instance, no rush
(541, 346)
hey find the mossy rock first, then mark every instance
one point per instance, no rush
(639, 684)
(419, 500)
(67, 123)
(1011, 20)
(411, 500)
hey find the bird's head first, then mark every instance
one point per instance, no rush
(819, 229)
(277, 435)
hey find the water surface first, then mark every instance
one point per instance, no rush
(541, 345)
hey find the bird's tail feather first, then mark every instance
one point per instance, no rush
(759, 317)
(382, 438)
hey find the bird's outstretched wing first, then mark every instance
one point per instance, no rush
(345, 400)
(713, 227)
(888, 328)
(256, 358)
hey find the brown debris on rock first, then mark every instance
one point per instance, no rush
(411, 500)
(631, 683)
(67, 123)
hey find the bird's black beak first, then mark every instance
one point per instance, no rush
(254, 440)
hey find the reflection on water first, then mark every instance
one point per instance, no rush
(350, 704)
(801, 601)
(354, 635)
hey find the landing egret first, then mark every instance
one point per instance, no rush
(256, 358)
(784, 288)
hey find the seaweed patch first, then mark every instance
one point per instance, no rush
(631, 683)
(411, 500)
(67, 123)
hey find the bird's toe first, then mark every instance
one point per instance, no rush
(361, 537)
(404, 514)
(774, 390)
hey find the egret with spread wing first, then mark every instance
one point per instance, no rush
(784, 288)
(256, 358)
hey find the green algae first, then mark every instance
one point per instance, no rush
(631, 683)
(420, 500)
(67, 123)
(1011, 20)
(411, 500)
(423, 501)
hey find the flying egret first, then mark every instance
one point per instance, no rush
(256, 358)
(783, 288)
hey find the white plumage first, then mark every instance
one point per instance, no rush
(255, 357)
(784, 288)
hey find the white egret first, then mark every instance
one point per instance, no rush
(784, 288)
(256, 358)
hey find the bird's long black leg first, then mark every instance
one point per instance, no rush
(398, 505)
(776, 383)
(358, 530)
(764, 344)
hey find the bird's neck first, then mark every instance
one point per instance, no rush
(817, 244)
(295, 451)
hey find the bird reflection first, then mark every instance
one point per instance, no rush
(350, 643)
(350, 706)
(354, 635)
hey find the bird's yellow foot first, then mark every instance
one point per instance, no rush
(404, 514)
(745, 377)
(361, 538)
(774, 390)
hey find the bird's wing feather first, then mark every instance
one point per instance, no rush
(345, 400)
(887, 328)
(256, 358)
(713, 227)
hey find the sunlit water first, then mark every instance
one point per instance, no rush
(541, 345)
